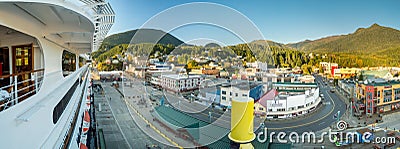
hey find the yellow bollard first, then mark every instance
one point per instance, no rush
(242, 122)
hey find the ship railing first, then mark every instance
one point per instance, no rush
(18, 90)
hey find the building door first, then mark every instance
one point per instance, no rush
(23, 66)
(4, 67)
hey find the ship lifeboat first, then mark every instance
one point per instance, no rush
(86, 123)
(87, 106)
(88, 98)
(83, 146)
(86, 117)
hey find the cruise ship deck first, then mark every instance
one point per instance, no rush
(44, 78)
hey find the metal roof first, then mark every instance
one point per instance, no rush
(289, 84)
(104, 18)
(183, 120)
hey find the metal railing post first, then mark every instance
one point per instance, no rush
(36, 82)
(15, 89)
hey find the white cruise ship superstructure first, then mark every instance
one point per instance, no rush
(44, 81)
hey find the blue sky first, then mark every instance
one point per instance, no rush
(284, 21)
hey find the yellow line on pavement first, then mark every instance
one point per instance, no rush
(153, 127)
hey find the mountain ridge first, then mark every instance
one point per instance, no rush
(146, 36)
(370, 46)
(371, 39)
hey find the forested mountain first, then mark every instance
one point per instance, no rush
(143, 36)
(269, 42)
(373, 46)
(212, 45)
(375, 38)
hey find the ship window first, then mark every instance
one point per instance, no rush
(68, 63)
(60, 107)
(82, 62)
(19, 62)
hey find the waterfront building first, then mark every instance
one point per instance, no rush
(180, 83)
(328, 68)
(239, 88)
(346, 73)
(291, 100)
(371, 74)
(378, 95)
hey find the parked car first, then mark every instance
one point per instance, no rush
(115, 84)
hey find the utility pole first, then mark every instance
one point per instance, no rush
(210, 115)
(351, 108)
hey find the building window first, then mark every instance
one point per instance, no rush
(387, 99)
(260, 108)
(387, 95)
(244, 95)
(269, 110)
(60, 107)
(236, 94)
(223, 98)
(378, 94)
(223, 92)
(397, 94)
(68, 63)
(299, 107)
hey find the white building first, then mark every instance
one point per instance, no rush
(306, 79)
(293, 99)
(263, 67)
(180, 83)
(260, 107)
(327, 67)
(240, 89)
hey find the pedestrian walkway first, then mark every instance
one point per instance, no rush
(106, 121)
(120, 130)
(352, 120)
(141, 110)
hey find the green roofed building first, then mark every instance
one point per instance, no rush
(186, 124)
(384, 74)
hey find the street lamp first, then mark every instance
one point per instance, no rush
(209, 115)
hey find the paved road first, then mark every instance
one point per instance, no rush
(139, 104)
(106, 121)
(316, 121)
(134, 136)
